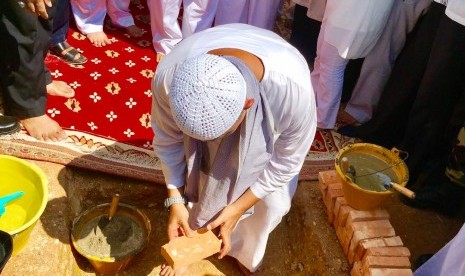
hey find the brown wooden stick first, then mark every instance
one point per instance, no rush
(113, 206)
(401, 189)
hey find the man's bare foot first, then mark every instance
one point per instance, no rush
(160, 56)
(60, 88)
(43, 128)
(134, 31)
(99, 39)
(167, 270)
(345, 118)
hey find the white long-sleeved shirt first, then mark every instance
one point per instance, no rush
(288, 89)
(456, 11)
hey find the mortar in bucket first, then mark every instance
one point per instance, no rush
(366, 159)
(22, 213)
(110, 247)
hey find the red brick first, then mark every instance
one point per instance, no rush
(186, 250)
(365, 244)
(331, 196)
(393, 241)
(392, 251)
(342, 217)
(356, 269)
(335, 186)
(362, 226)
(358, 215)
(340, 234)
(370, 233)
(389, 272)
(384, 262)
(340, 201)
(328, 177)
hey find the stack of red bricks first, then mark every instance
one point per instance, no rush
(367, 237)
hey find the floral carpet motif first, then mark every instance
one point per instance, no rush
(108, 120)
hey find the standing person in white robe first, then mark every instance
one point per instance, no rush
(377, 65)
(197, 15)
(234, 116)
(90, 15)
(349, 30)
(259, 13)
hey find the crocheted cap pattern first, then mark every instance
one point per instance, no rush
(207, 96)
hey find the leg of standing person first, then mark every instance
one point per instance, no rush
(263, 13)
(327, 78)
(23, 73)
(232, 12)
(198, 15)
(58, 44)
(440, 88)
(304, 35)
(118, 11)
(378, 64)
(166, 32)
(388, 123)
(89, 16)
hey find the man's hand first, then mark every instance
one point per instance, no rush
(178, 222)
(227, 220)
(229, 217)
(38, 7)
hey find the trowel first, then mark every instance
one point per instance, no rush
(378, 180)
(6, 199)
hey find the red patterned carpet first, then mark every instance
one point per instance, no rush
(108, 121)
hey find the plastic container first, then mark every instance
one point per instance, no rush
(115, 261)
(22, 214)
(376, 158)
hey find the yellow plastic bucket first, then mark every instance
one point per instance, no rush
(376, 158)
(22, 213)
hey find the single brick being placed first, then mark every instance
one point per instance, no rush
(395, 251)
(186, 250)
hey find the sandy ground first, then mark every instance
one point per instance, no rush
(303, 244)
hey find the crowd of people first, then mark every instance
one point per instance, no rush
(236, 106)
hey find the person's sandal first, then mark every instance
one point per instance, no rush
(68, 53)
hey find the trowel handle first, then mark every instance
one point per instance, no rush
(401, 189)
(113, 206)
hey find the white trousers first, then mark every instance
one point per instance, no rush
(378, 64)
(197, 15)
(259, 13)
(90, 14)
(250, 236)
(327, 80)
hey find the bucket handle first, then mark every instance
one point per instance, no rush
(398, 152)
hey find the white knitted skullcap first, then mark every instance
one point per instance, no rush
(207, 96)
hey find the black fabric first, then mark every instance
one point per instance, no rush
(304, 35)
(23, 74)
(8, 125)
(388, 123)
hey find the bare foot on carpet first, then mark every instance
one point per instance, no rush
(60, 88)
(43, 128)
(345, 118)
(167, 270)
(99, 39)
(134, 31)
(160, 56)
